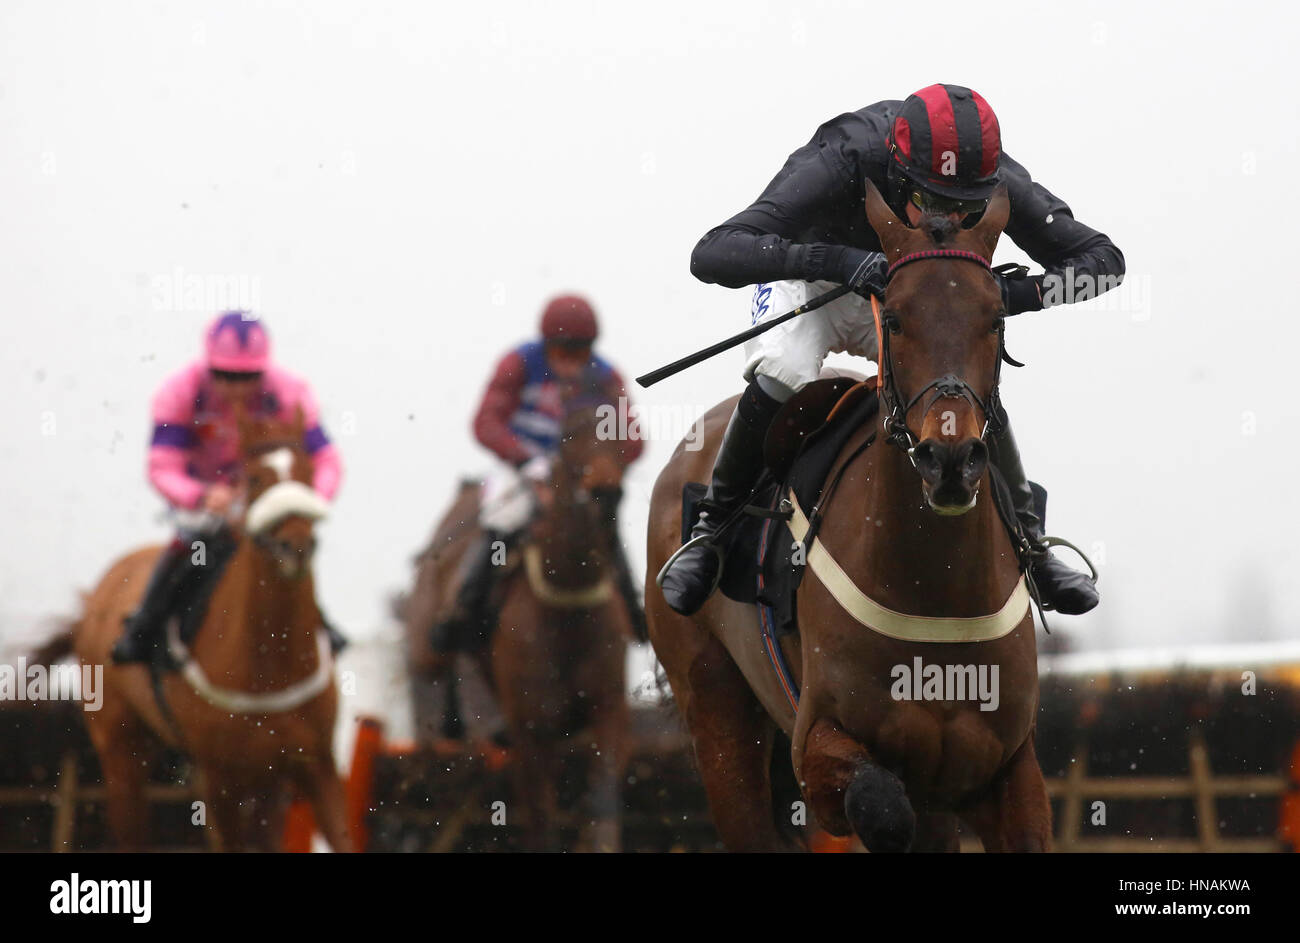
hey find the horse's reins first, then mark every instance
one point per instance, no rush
(895, 412)
(285, 498)
(949, 386)
(901, 435)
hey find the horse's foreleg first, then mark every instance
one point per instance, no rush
(848, 791)
(426, 706)
(124, 744)
(320, 783)
(605, 779)
(268, 808)
(733, 739)
(534, 773)
(1014, 813)
(226, 812)
(936, 832)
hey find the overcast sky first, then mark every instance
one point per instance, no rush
(403, 185)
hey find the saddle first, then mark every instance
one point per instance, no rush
(800, 450)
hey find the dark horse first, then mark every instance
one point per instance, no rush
(556, 659)
(911, 574)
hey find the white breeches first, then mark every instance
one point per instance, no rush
(792, 354)
(195, 523)
(507, 499)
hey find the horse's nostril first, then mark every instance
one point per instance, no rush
(975, 461)
(930, 458)
(960, 465)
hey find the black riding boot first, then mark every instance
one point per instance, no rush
(690, 581)
(1060, 586)
(141, 628)
(338, 641)
(464, 628)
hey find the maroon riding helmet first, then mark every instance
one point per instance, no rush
(570, 321)
(944, 148)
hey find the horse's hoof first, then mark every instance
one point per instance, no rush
(878, 809)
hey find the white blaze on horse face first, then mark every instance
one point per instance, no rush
(280, 461)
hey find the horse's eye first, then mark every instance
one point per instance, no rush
(997, 325)
(892, 325)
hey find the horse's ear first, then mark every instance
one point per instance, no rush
(889, 228)
(994, 220)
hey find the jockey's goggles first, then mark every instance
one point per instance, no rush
(236, 376)
(571, 348)
(929, 203)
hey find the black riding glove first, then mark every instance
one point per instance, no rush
(1021, 292)
(862, 271)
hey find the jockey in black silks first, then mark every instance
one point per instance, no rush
(937, 152)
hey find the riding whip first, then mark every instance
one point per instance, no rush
(677, 366)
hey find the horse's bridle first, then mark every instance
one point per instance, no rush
(949, 386)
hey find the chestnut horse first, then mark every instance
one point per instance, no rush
(254, 704)
(556, 661)
(909, 571)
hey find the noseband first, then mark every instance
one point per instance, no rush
(950, 386)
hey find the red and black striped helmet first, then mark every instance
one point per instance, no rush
(945, 140)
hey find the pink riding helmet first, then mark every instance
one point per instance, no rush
(237, 342)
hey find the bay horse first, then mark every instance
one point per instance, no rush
(434, 703)
(909, 570)
(254, 703)
(556, 660)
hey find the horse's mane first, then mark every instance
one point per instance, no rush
(940, 229)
